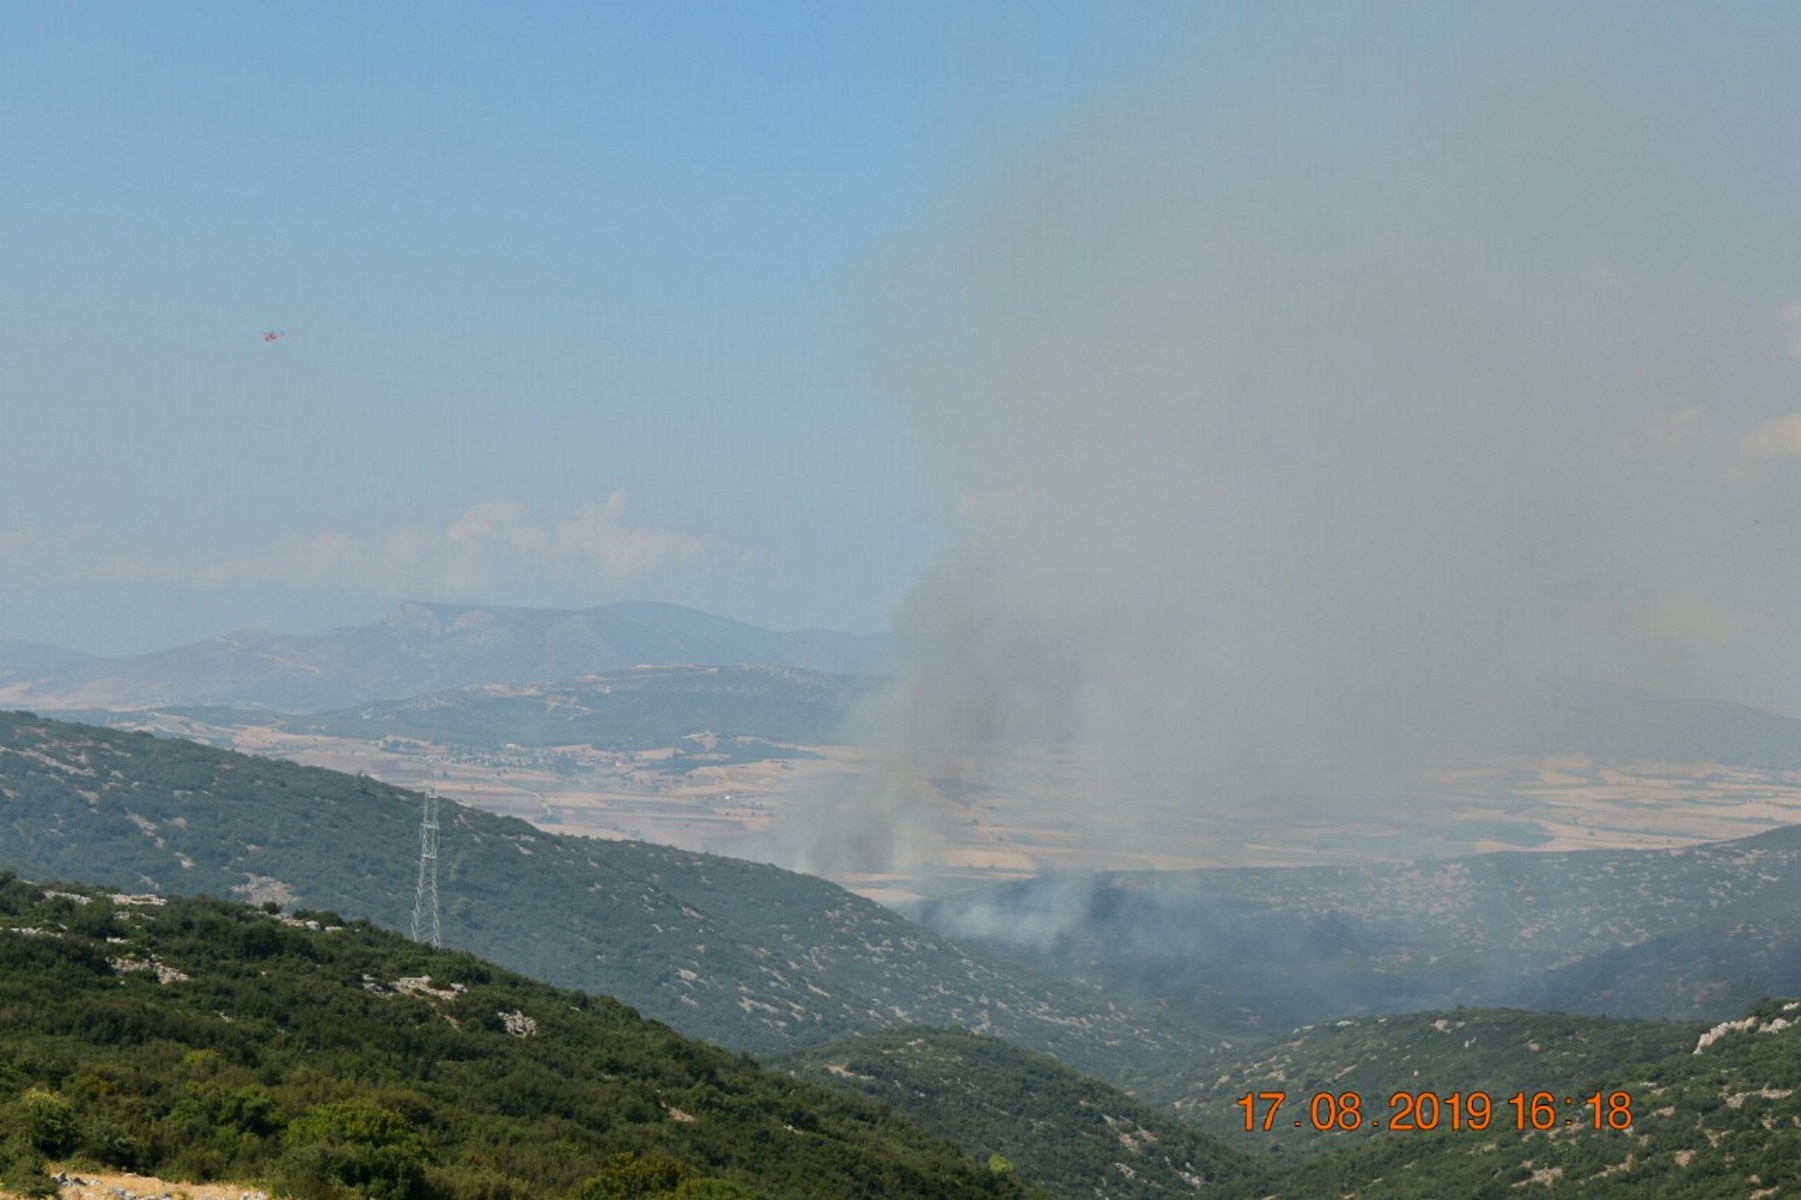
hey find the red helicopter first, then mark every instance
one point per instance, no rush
(273, 335)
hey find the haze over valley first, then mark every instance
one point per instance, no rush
(692, 747)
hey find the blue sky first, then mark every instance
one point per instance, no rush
(532, 258)
(588, 302)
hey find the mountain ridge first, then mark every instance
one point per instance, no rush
(742, 954)
(419, 648)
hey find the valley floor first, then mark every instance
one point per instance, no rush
(970, 827)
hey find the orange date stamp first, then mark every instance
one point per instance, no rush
(1416, 1112)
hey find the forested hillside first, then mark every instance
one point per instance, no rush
(1500, 1051)
(746, 955)
(181, 1036)
(1693, 933)
(196, 1039)
(1061, 1130)
(1718, 1120)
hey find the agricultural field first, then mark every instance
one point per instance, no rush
(1032, 811)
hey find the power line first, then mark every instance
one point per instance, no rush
(425, 896)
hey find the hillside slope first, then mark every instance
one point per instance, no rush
(749, 956)
(1720, 1122)
(1694, 933)
(1500, 1051)
(197, 1039)
(1722, 1119)
(1062, 1131)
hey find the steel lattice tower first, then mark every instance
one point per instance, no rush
(425, 897)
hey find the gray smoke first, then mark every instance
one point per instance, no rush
(1302, 427)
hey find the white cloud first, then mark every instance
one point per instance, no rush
(78, 554)
(495, 545)
(1775, 441)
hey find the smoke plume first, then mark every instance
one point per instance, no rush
(1301, 427)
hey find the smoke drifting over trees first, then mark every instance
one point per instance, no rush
(1306, 415)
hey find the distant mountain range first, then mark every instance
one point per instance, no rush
(1620, 724)
(19, 659)
(621, 710)
(415, 649)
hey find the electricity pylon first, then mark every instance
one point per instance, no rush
(425, 897)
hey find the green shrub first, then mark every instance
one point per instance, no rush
(629, 1177)
(22, 1173)
(370, 1150)
(47, 1122)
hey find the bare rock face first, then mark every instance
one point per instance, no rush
(111, 1186)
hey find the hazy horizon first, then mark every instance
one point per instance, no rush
(1233, 377)
(384, 608)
